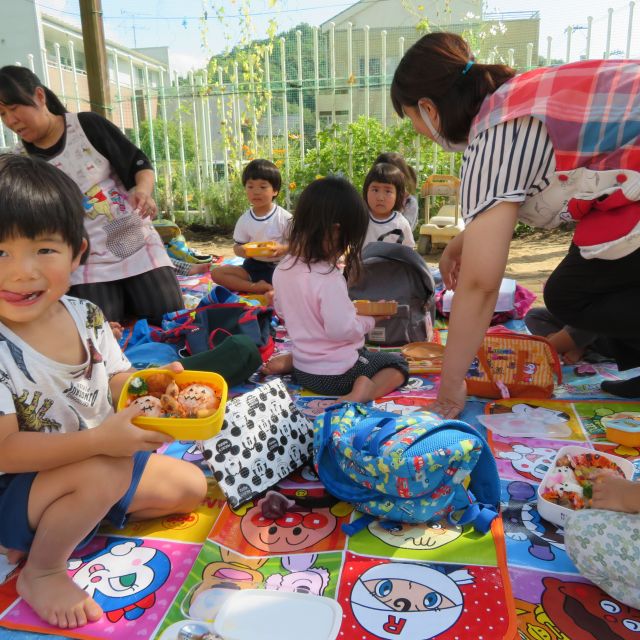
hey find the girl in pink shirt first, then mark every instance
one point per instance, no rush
(328, 354)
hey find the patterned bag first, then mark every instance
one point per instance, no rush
(409, 468)
(514, 365)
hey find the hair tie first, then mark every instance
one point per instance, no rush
(467, 67)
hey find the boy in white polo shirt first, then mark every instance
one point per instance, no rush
(264, 221)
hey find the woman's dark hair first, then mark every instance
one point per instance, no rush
(37, 199)
(325, 203)
(397, 160)
(387, 174)
(261, 169)
(433, 68)
(18, 86)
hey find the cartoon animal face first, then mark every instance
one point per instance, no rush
(530, 462)
(583, 611)
(123, 577)
(407, 601)
(411, 536)
(294, 531)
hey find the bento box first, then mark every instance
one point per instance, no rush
(260, 249)
(192, 399)
(558, 514)
(623, 428)
(371, 308)
(423, 357)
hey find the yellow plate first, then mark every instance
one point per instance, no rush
(182, 428)
(260, 249)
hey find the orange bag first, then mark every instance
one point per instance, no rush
(514, 365)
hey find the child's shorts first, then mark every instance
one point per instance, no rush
(368, 364)
(15, 532)
(259, 270)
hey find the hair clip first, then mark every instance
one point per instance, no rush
(467, 67)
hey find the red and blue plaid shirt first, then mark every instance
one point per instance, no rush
(591, 110)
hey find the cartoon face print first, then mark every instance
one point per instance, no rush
(303, 576)
(150, 406)
(408, 601)
(294, 531)
(123, 577)
(411, 536)
(197, 397)
(315, 406)
(530, 462)
(582, 610)
(415, 383)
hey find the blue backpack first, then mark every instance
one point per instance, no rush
(405, 468)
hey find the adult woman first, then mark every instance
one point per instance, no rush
(549, 145)
(127, 272)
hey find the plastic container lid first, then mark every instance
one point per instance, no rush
(278, 615)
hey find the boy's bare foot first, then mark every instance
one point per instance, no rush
(363, 391)
(56, 598)
(278, 365)
(262, 286)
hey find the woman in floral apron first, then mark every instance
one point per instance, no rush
(127, 271)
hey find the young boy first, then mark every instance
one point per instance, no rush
(264, 221)
(66, 460)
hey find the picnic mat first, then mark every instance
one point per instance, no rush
(411, 582)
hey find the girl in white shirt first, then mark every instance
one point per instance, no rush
(328, 354)
(384, 192)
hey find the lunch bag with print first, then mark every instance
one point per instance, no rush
(513, 365)
(412, 468)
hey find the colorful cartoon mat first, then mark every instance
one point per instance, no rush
(409, 582)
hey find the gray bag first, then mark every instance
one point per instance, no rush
(394, 271)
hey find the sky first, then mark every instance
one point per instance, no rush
(179, 25)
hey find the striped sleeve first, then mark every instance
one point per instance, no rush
(508, 162)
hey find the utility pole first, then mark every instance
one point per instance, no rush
(96, 56)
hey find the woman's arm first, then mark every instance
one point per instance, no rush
(483, 260)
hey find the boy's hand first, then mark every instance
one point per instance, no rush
(239, 250)
(119, 438)
(174, 367)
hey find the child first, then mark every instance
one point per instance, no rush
(66, 460)
(409, 207)
(603, 544)
(264, 221)
(328, 357)
(384, 192)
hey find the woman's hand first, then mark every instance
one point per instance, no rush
(451, 399)
(450, 262)
(144, 204)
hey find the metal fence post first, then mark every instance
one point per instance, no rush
(183, 164)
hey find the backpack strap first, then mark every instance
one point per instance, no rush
(478, 514)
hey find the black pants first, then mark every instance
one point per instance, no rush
(600, 296)
(148, 295)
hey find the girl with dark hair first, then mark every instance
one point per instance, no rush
(384, 192)
(409, 208)
(328, 356)
(550, 145)
(128, 272)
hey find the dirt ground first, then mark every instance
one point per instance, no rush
(531, 259)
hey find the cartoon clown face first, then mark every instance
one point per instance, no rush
(408, 601)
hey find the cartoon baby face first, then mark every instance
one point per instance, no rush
(411, 536)
(293, 531)
(404, 595)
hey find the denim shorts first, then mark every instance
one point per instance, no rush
(259, 270)
(15, 532)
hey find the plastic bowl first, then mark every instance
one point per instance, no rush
(182, 428)
(371, 308)
(260, 249)
(554, 512)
